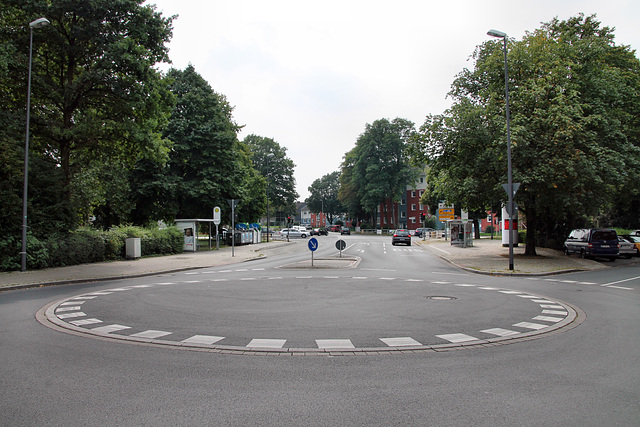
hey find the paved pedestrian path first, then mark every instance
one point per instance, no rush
(486, 256)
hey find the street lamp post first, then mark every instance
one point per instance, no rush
(510, 211)
(268, 155)
(38, 23)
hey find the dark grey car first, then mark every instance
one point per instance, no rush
(401, 236)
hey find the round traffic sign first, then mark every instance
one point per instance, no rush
(340, 245)
(313, 244)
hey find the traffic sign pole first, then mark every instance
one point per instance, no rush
(313, 246)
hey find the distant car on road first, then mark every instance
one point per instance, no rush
(419, 232)
(292, 232)
(319, 232)
(335, 228)
(345, 230)
(401, 236)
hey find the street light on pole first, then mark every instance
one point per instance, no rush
(268, 155)
(38, 23)
(510, 211)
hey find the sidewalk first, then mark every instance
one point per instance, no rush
(143, 266)
(485, 257)
(488, 256)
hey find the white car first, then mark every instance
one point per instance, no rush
(293, 232)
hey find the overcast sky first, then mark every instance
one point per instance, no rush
(311, 75)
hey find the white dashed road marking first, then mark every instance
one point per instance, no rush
(552, 312)
(266, 343)
(400, 342)
(457, 338)
(202, 339)
(335, 344)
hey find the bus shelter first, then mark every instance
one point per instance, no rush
(461, 232)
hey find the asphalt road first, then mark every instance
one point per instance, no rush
(584, 373)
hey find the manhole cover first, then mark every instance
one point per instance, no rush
(441, 298)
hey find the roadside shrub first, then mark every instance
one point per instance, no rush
(114, 243)
(9, 254)
(87, 246)
(10, 259)
(80, 247)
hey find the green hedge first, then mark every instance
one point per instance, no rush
(86, 246)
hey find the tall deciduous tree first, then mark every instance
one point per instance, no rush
(207, 164)
(270, 159)
(96, 93)
(574, 108)
(378, 166)
(324, 196)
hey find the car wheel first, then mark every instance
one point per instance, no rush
(583, 254)
(409, 244)
(303, 235)
(566, 251)
(612, 259)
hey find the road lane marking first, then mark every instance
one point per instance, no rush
(621, 281)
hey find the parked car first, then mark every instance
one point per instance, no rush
(345, 230)
(319, 232)
(292, 232)
(419, 232)
(401, 236)
(335, 228)
(593, 242)
(635, 233)
(627, 247)
(636, 242)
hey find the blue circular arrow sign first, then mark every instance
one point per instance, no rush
(313, 244)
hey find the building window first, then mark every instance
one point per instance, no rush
(421, 179)
(413, 220)
(413, 193)
(403, 202)
(403, 214)
(413, 206)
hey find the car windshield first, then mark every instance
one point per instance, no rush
(402, 233)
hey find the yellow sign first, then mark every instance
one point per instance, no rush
(445, 214)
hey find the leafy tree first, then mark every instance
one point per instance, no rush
(96, 94)
(348, 193)
(271, 161)
(377, 167)
(324, 196)
(574, 104)
(207, 164)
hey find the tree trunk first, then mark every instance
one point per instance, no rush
(530, 212)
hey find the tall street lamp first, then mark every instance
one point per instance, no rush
(503, 36)
(268, 155)
(38, 23)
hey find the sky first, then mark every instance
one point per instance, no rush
(312, 75)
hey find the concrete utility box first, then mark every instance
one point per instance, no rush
(133, 248)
